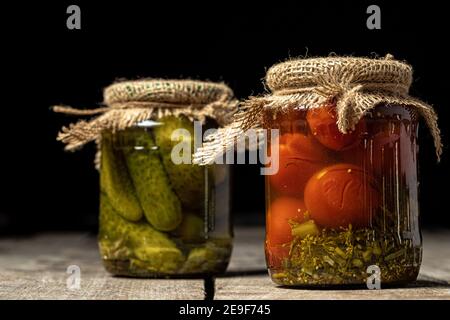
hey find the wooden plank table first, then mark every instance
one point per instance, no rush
(35, 268)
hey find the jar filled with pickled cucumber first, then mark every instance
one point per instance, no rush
(160, 215)
(342, 208)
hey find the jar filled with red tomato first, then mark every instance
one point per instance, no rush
(344, 203)
(342, 189)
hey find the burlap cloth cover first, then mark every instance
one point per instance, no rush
(356, 85)
(130, 102)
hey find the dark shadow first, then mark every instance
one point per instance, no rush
(240, 273)
(431, 283)
(416, 284)
(209, 288)
(228, 274)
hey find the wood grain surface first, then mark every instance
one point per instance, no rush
(35, 268)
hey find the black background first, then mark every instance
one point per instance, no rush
(44, 63)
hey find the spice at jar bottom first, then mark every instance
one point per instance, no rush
(343, 257)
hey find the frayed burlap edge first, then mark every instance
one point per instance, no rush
(356, 85)
(130, 102)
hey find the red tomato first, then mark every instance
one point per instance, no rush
(322, 123)
(275, 254)
(281, 212)
(284, 138)
(376, 153)
(288, 120)
(300, 157)
(340, 195)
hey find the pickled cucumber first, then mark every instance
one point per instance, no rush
(161, 206)
(191, 228)
(187, 179)
(207, 258)
(112, 234)
(113, 239)
(139, 242)
(116, 182)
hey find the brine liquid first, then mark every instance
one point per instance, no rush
(159, 219)
(342, 203)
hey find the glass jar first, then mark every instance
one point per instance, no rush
(343, 206)
(159, 218)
